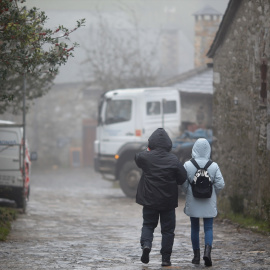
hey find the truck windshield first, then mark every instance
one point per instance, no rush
(117, 111)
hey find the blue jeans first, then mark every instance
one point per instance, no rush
(195, 230)
(167, 224)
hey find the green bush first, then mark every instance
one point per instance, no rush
(7, 215)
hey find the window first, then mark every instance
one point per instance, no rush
(7, 141)
(169, 106)
(118, 111)
(153, 108)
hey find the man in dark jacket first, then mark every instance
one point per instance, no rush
(158, 192)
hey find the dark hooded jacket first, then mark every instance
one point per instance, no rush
(162, 172)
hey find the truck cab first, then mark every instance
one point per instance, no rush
(126, 119)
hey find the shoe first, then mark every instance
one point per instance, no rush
(196, 259)
(207, 255)
(166, 263)
(145, 254)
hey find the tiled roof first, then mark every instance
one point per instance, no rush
(199, 80)
(207, 10)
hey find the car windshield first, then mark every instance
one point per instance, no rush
(117, 111)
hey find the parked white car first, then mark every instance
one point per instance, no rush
(14, 184)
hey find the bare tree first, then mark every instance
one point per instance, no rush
(122, 55)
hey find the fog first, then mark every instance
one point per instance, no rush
(144, 20)
(152, 55)
(124, 44)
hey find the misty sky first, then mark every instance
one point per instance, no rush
(149, 14)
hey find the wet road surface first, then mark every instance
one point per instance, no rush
(76, 220)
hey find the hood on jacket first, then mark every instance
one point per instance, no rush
(160, 139)
(201, 149)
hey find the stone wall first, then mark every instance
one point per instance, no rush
(241, 116)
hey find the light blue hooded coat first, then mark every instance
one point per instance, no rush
(202, 208)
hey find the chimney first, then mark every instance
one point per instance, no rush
(207, 21)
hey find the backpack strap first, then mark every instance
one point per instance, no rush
(208, 164)
(193, 161)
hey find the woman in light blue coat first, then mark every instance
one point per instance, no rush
(202, 208)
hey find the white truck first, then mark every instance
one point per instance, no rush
(126, 119)
(15, 168)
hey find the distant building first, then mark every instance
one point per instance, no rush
(207, 21)
(196, 85)
(175, 52)
(196, 91)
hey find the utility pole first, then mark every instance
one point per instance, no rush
(24, 127)
(163, 106)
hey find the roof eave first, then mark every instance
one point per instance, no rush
(184, 76)
(228, 17)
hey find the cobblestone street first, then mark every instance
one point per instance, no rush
(76, 220)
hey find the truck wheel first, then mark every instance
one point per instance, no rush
(129, 178)
(21, 202)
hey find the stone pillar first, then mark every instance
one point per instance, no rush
(207, 22)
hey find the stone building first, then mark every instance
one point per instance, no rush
(207, 21)
(241, 106)
(196, 85)
(196, 91)
(61, 126)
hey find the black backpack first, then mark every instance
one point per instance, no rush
(202, 183)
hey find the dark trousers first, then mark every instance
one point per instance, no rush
(167, 224)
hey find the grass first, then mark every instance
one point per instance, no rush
(251, 223)
(7, 215)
